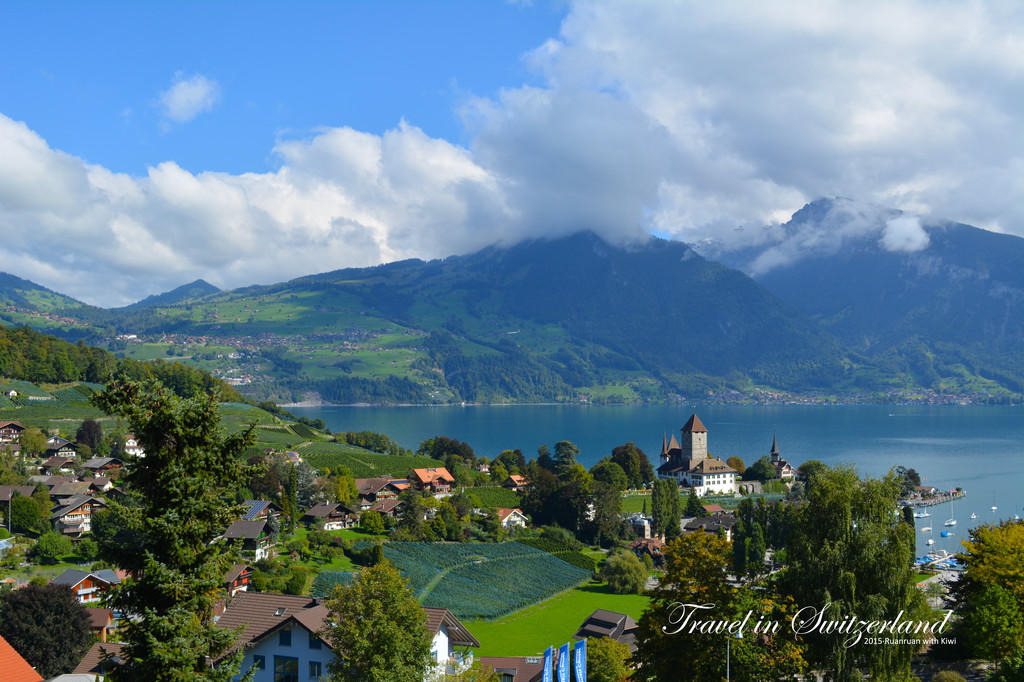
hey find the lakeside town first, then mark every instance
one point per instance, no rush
(486, 549)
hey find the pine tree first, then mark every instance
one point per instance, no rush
(169, 535)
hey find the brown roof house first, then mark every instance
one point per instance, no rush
(435, 479)
(257, 537)
(617, 626)
(282, 635)
(335, 515)
(88, 586)
(73, 516)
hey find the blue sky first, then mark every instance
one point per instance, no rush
(144, 145)
(90, 83)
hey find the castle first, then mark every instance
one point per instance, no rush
(689, 464)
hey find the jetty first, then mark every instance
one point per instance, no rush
(932, 500)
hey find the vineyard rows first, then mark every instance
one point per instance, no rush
(482, 581)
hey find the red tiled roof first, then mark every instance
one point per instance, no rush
(14, 667)
(433, 474)
(694, 425)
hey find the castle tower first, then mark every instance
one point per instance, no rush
(694, 442)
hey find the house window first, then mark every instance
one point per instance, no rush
(314, 641)
(315, 670)
(285, 638)
(286, 669)
(259, 662)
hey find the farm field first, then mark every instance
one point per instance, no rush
(363, 463)
(552, 622)
(482, 581)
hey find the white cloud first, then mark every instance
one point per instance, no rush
(904, 234)
(188, 97)
(702, 121)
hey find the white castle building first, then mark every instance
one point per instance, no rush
(689, 464)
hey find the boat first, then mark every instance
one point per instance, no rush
(994, 507)
(945, 533)
(930, 541)
(973, 515)
(921, 515)
(926, 529)
(950, 522)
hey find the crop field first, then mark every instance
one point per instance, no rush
(495, 496)
(363, 463)
(482, 581)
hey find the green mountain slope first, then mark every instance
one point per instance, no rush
(950, 315)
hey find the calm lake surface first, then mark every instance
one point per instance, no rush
(980, 449)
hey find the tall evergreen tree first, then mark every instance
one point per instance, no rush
(170, 535)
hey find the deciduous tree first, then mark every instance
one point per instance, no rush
(624, 573)
(377, 629)
(47, 626)
(51, 547)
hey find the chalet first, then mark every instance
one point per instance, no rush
(649, 546)
(50, 481)
(714, 509)
(515, 482)
(617, 626)
(371, 490)
(98, 484)
(511, 518)
(132, 447)
(256, 510)
(74, 516)
(335, 515)
(100, 464)
(783, 469)
(65, 491)
(16, 668)
(10, 431)
(87, 586)
(256, 537)
(59, 463)
(721, 523)
(237, 579)
(689, 464)
(389, 508)
(282, 640)
(101, 622)
(436, 480)
(61, 447)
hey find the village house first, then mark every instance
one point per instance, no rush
(649, 546)
(95, 663)
(237, 579)
(435, 480)
(335, 516)
(282, 636)
(87, 586)
(59, 464)
(61, 447)
(617, 626)
(371, 490)
(689, 464)
(511, 518)
(10, 431)
(101, 464)
(515, 668)
(132, 447)
(515, 482)
(388, 507)
(256, 537)
(101, 621)
(721, 523)
(74, 517)
(260, 510)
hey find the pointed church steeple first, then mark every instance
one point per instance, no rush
(775, 448)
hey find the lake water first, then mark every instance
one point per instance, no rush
(980, 449)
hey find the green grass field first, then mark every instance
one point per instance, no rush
(552, 622)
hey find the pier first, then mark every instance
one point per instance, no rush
(933, 500)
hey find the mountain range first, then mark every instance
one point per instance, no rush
(845, 299)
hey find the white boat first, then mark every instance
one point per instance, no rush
(931, 541)
(994, 507)
(926, 529)
(973, 515)
(921, 515)
(950, 522)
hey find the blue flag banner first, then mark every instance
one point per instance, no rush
(580, 660)
(547, 664)
(563, 663)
